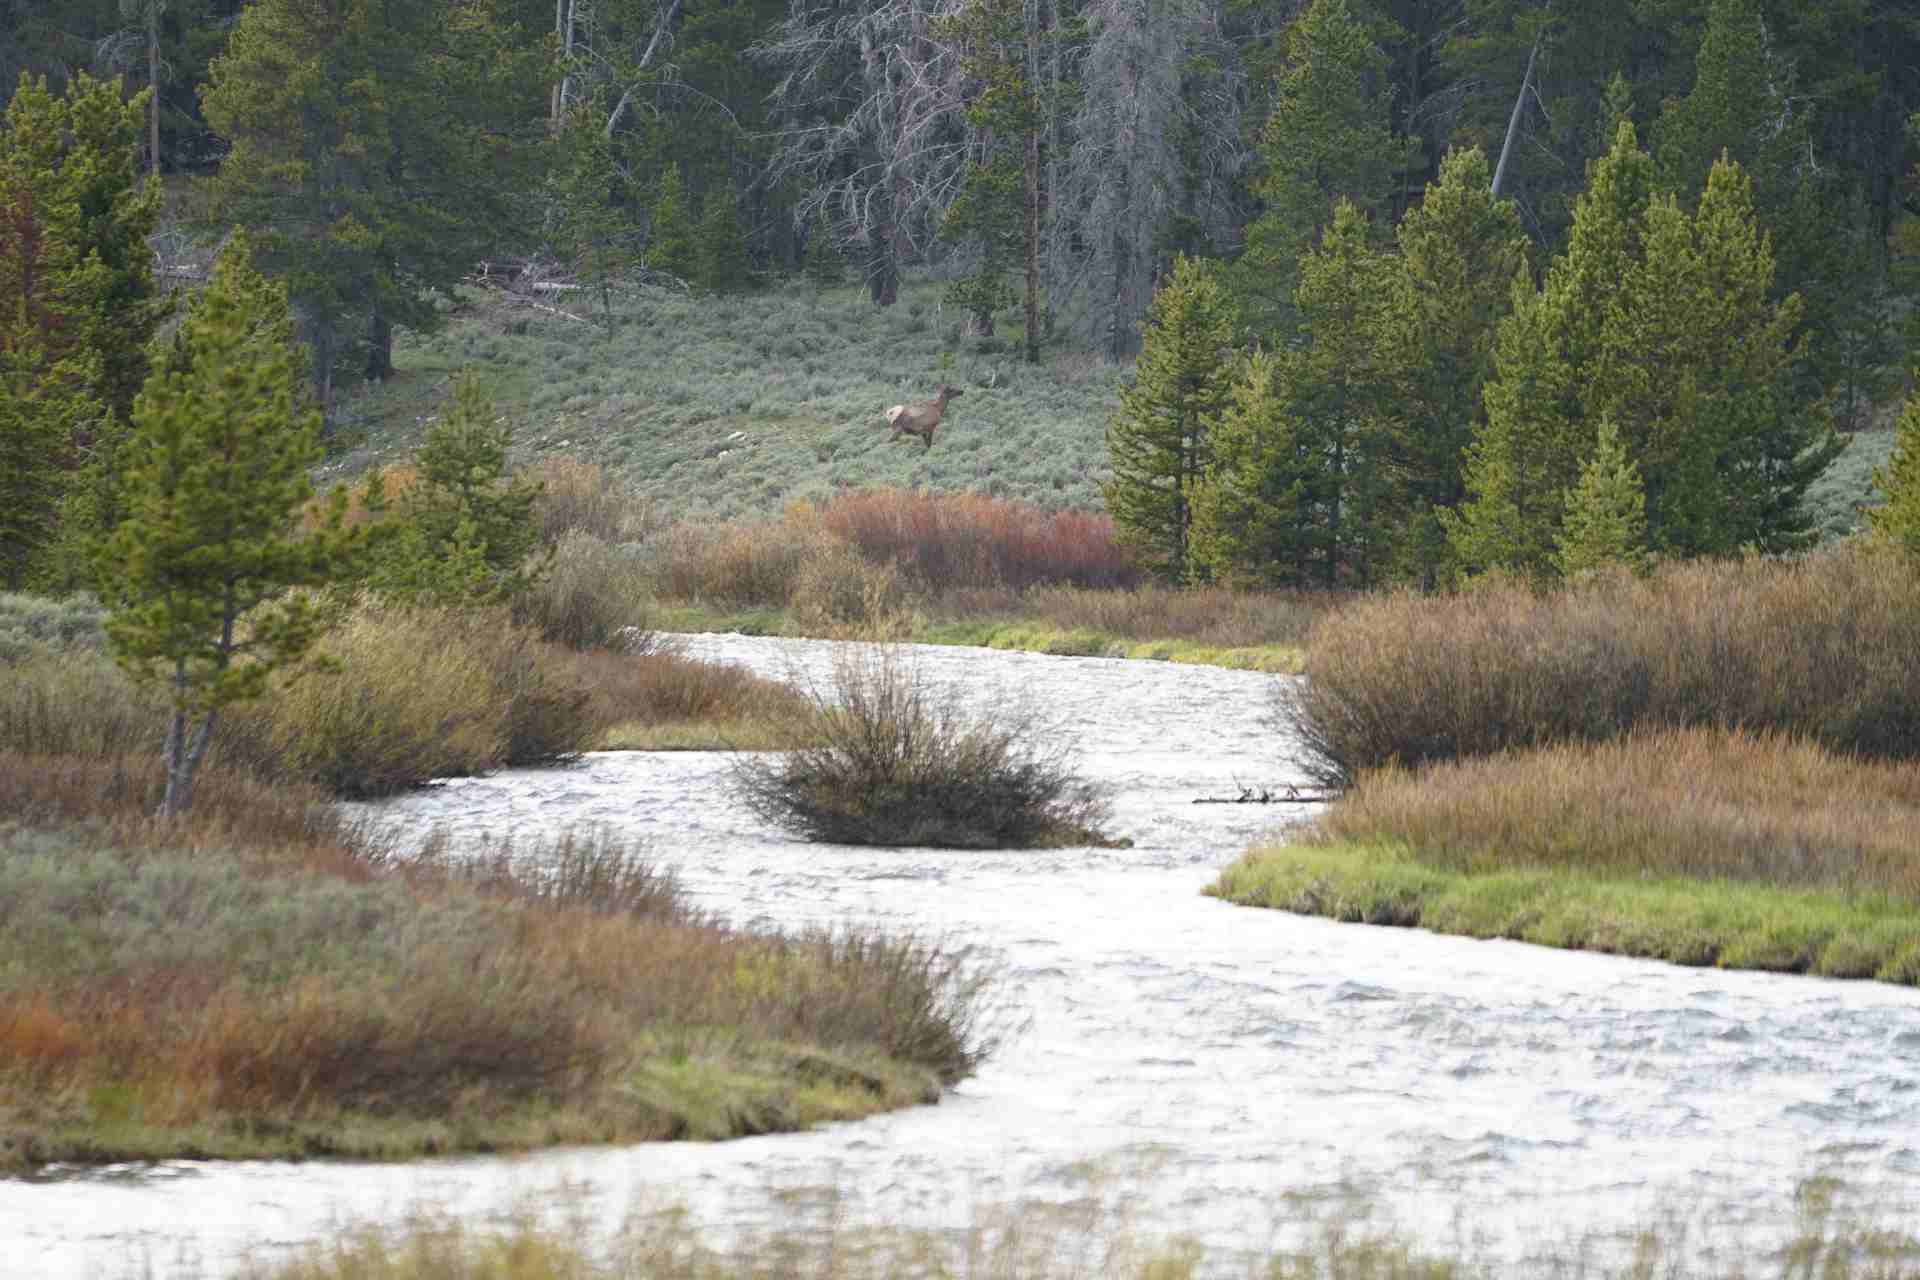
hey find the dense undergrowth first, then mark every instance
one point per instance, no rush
(265, 977)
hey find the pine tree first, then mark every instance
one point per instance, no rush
(78, 308)
(587, 227)
(1659, 320)
(1158, 440)
(996, 214)
(720, 250)
(1606, 524)
(369, 142)
(197, 575)
(1460, 251)
(464, 533)
(1253, 523)
(1328, 137)
(1898, 520)
(1340, 382)
(673, 245)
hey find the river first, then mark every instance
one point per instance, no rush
(1200, 1062)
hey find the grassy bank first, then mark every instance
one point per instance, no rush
(1338, 1238)
(262, 978)
(962, 569)
(1696, 846)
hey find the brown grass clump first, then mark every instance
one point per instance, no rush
(1699, 803)
(945, 541)
(740, 563)
(889, 760)
(1820, 646)
(580, 497)
(420, 694)
(664, 687)
(593, 595)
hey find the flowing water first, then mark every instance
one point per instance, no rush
(1205, 1060)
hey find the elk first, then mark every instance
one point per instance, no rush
(920, 417)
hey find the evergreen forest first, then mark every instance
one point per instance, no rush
(1415, 290)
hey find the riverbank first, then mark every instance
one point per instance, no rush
(264, 978)
(1700, 847)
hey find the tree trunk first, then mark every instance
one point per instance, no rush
(153, 85)
(379, 348)
(1033, 184)
(1513, 121)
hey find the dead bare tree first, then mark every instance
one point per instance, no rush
(1150, 143)
(875, 135)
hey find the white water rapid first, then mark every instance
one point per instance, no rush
(1209, 1059)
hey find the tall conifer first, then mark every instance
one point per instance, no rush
(1159, 440)
(197, 575)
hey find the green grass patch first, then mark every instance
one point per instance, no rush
(1701, 847)
(1712, 923)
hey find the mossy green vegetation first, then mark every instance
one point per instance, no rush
(1701, 847)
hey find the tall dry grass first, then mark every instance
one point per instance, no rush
(1820, 646)
(1699, 803)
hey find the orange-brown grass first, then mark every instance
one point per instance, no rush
(944, 541)
(1819, 646)
(263, 978)
(743, 562)
(1699, 846)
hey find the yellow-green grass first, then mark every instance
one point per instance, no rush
(1343, 1237)
(262, 978)
(1696, 846)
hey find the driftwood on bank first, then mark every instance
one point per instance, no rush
(1266, 795)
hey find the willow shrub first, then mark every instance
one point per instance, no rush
(423, 693)
(1820, 647)
(892, 760)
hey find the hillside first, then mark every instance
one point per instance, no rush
(735, 404)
